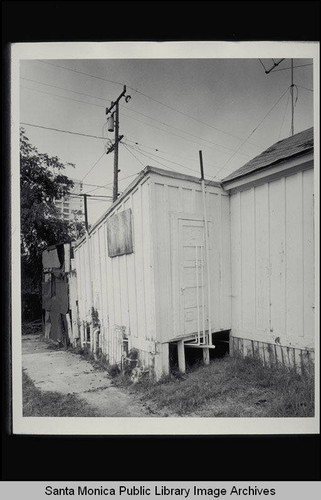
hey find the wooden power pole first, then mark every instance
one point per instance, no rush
(292, 99)
(115, 126)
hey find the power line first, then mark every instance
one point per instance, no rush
(170, 161)
(176, 135)
(62, 88)
(167, 153)
(298, 66)
(153, 159)
(285, 109)
(80, 72)
(222, 168)
(133, 154)
(305, 88)
(93, 166)
(91, 195)
(181, 130)
(64, 131)
(141, 121)
(262, 64)
(62, 97)
(145, 95)
(120, 180)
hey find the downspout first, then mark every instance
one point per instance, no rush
(95, 340)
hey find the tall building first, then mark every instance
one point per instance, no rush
(71, 207)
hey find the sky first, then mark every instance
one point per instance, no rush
(228, 108)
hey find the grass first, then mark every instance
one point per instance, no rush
(31, 327)
(230, 387)
(38, 403)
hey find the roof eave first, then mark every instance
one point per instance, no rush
(264, 169)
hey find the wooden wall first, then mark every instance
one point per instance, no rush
(172, 198)
(122, 286)
(272, 262)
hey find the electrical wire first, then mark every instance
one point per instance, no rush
(285, 109)
(305, 88)
(141, 121)
(146, 96)
(62, 97)
(254, 130)
(262, 64)
(298, 66)
(166, 159)
(167, 153)
(181, 130)
(119, 180)
(133, 154)
(80, 72)
(90, 195)
(61, 130)
(153, 159)
(91, 169)
(63, 88)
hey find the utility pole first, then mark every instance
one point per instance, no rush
(114, 126)
(292, 99)
(86, 211)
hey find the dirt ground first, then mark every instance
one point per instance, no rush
(68, 373)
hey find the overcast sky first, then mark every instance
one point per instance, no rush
(177, 107)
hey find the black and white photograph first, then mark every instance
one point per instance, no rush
(165, 214)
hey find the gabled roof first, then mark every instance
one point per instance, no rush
(287, 148)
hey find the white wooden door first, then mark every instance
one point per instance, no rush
(192, 277)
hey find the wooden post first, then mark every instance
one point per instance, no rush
(206, 355)
(181, 356)
(162, 361)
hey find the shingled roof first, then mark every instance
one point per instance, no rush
(280, 151)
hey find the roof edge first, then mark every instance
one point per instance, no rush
(263, 169)
(143, 173)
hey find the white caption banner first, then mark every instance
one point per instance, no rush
(161, 489)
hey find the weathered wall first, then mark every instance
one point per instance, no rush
(272, 262)
(174, 199)
(122, 288)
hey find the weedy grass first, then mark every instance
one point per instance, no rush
(232, 387)
(37, 403)
(31, 327)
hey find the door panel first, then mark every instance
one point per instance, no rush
(192, 277)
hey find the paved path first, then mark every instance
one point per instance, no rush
(68, 373)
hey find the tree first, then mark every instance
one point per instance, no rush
(41, 182)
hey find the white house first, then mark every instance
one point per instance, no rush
(149, 274)
(272, 252)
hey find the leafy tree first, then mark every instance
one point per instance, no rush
(41, 182)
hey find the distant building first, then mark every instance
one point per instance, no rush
(71, 208)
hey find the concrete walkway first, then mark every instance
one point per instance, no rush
(68, 373)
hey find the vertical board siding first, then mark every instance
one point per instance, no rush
(225, 249)
(213, 206)
(277, 247)
(236, 261)
(248, 258)
(139, 262)
(123, 302)
(308, 254)
(294, 260)
(262, 275)
(272, 261)
(173, 200)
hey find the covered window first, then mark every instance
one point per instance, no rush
(119, 234)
